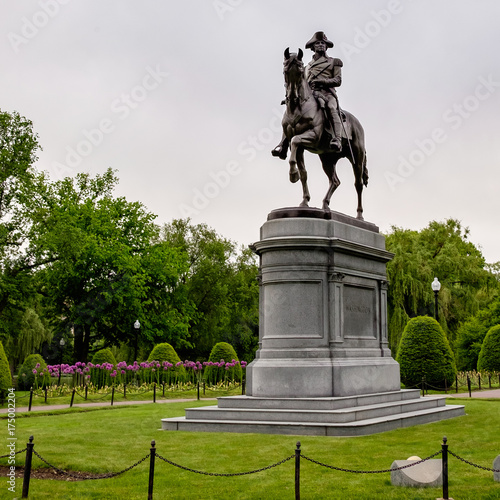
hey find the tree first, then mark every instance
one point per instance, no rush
(442, 250)
(221, 282)
(105, 267)
(18, 153)
(489, 357)
(424, 351)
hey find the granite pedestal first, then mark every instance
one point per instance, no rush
(323, 366)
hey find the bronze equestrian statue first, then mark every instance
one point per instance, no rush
(313, 121)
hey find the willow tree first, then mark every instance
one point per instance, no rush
(441, 250)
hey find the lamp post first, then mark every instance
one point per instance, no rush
(137, 326)
(62, 342)
(436, 286)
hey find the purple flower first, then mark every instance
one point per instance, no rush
(34, 369)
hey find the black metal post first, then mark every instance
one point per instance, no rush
(198, 391)
(124, 391)
(112, 395)
(163, 384)
(297, 471)
(489, 380)
(468, 386)
(243, 389)
(444, 460)
(456, 383)
(436, 312)
(72, 397)
(204, 385)
(154, 392)
(86, 391)
(479, 380)
(152, 456)
(27, 468)
(31, 399)
(45, 391)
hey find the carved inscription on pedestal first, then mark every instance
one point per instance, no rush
(359, 312)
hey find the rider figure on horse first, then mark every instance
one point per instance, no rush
(324, 74)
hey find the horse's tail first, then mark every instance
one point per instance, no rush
(365, 171)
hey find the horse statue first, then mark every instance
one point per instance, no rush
(305, 127)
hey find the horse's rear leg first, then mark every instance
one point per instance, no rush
(360, 179)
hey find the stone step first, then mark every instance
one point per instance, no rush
(333, 403)
(313, 415)
(356, 428)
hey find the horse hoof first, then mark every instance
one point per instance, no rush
(304, 204)
(294, 176)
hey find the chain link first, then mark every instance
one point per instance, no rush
(101, 476)
(225, 474)
(15, 453)
(473, 464)
(371, 471)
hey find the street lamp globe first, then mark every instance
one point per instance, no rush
(137, 324)
(436, 285)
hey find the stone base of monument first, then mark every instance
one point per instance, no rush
(340, 416)
(323, 366)
(426, 474)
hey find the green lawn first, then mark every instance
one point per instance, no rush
(114, 438)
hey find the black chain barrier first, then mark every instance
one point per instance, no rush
(230, 474)
(371, 471)
(471, 463)
(15, 453)
(297, 455)
(99, 476)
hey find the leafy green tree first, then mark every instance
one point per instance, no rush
(442, 250)
(221, 282)
(18, 153)
(424, 351)
(105, 264)
(489, 357)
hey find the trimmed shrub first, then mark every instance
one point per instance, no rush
(103, 356)
(424, 351)
(223, 366)
(165, 353)
(98, 376)
(470, 338)
(489, 357)
(5, 375)
(33, 373)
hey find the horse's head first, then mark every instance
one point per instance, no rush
(293, 67)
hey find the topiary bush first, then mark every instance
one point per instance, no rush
(222, 355)
(489, 357)
(165, 353)
(33, 373)
(5, 375)
(98, 376)
(103, 356)
(424, 351)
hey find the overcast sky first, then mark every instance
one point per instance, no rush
(183, 99)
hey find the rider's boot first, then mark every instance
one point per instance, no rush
(281, 149)
(336, 142)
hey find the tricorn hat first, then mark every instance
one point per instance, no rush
(319, 36)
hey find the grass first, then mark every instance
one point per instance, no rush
(114, 438)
